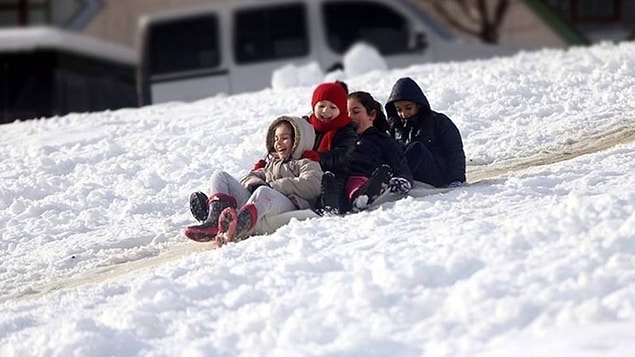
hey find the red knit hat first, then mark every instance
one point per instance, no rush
(333, 92)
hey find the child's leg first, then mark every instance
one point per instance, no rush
(268, 201)
(225, 184)
(265, 200)
(423, 164)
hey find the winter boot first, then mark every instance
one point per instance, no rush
(330, 195)
(375, 185)
(199, 206)
(207, 231)
(235, 226)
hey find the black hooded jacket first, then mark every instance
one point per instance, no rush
(435, 130)
(375, 148)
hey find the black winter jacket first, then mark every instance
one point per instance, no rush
(435, 130)
(375, 148)
(337, 160)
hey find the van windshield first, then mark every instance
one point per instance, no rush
(270, 33)
(348, 22)
(177, 46)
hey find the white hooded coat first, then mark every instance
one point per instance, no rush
(297, 178)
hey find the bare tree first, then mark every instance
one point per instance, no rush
(474, 17)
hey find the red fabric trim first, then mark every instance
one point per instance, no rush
(353, 183)
(253, 212)
(311, 155)
(222, 197)
(330, 128)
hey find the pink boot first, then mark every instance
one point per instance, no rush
(235, 226)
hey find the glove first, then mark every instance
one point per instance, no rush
(399, 185)
(311, 155)
(455, 184)
(259, 165)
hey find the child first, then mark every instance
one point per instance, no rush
(286, 182)
(431, 142)
(376, 156)
(335, 137)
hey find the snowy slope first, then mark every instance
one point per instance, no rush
(535, 257)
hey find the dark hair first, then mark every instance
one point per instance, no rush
(369, 103)
(288, 125)
(344, 85)
(272, 129)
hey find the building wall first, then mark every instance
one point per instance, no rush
(117, 22)
(521, 27)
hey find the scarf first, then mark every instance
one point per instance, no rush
(329, 129)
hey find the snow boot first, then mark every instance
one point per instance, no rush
(208, 230)
(329, 196)
(199, 206)
(374, 187)
(234, 226)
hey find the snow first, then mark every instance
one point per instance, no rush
(535, 257)
(21, 39)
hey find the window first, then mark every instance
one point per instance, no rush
(184, 45)
(270, 33)
(375, 24)
(628, 9)
(24, 12)
(594, 11)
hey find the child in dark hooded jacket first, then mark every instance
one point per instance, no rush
(431, 142)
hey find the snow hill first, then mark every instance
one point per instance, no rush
(536, 257)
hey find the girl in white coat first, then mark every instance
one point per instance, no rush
(286, 182)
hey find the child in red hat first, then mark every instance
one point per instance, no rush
(335, 138)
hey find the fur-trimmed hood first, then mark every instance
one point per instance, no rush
(304, 135)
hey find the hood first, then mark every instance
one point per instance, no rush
(303, 131)
(406, 89)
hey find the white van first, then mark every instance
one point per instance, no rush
(235, 46)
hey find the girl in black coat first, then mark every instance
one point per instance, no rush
(376, 156)
(431, 142)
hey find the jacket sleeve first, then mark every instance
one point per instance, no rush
(343, 145)
(453, 148)
(306, 185)
(253, 179)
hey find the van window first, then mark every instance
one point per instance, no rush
(181, 46)
(270, 33)
(373, 23)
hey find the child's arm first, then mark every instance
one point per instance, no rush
(254, 179)
(305, 185)
(343, 145)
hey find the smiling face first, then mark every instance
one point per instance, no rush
(360, 115)
(283, 139)
(406, 108)
(326, 110)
